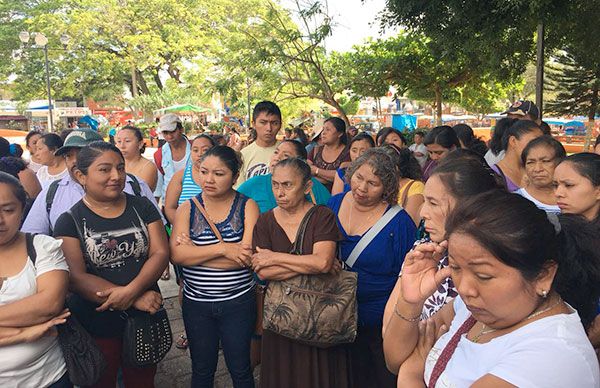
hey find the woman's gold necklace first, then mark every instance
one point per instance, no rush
(485, 331)
(352, 211)
(94, 206)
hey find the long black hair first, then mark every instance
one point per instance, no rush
(467, 137)
(443, 135)
(340, 127)
(501, 126)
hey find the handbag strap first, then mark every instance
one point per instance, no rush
(405, 193)
(212, 225)
(371, 233)
(448, 351)
(299, 240)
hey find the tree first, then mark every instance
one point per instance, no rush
(424, 70)
(577, 88)
(305, 68)
(498, 34)
(579, 63)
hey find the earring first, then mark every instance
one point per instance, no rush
(544, 294)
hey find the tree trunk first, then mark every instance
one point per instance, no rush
(142, 85)
(438, 105)
(539, 74)
(589, 131)
(156, 76)
(341, 111)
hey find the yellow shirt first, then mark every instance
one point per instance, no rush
(416, 188)
(256, 161)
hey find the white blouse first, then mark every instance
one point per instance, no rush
(39, 363)
(550, 352)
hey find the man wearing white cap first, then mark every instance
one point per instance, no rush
(174, 154)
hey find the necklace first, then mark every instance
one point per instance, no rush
(94, 206)
(366, 221)
(485, 330)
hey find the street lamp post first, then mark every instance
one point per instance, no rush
(41, 40)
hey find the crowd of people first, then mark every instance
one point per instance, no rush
(474, 264)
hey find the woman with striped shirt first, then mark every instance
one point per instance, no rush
(218, 294)
(183, 186)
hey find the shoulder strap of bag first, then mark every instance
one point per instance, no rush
(135, 185)
(405, 193)
(371, 233)
(30, 247)
(50, 194)
(448, 351)
(212, 225)
(299, 240)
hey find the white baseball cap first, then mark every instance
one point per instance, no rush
(168, 122)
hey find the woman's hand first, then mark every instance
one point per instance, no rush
(117, 298)
(412, 370)
(420, 274)
(46, 329)
(336, 267)
(150, 301)
(263, 258)
(238, 252)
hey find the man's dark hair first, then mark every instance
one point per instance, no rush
(267, 107)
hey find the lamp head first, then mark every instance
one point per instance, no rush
(40, 39)
(24, 36)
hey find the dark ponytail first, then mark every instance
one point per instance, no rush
(577, 280)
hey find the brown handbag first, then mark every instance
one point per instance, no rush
(317, 310)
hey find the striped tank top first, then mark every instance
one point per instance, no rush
(203, 284)
(189, 188)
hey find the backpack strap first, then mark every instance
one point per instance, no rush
(135, 185)
(30, 247)
(50, 194)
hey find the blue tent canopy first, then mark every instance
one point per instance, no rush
(89, 121)
(404, 121)
(564, 122)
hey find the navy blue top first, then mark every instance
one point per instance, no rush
(341, 172)
(379, 264)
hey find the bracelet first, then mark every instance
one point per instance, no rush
(317, 172)
(415, 319)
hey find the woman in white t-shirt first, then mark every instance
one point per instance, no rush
(519, 320)
(31, 299)
(540, 157)
(54, 167)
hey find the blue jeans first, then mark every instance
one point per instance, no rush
(230, 321)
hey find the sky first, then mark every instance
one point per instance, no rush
(354, 21)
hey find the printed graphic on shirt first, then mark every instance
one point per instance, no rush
(257, 169)
(109, 249)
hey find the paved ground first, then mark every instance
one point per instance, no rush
(175, 370)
